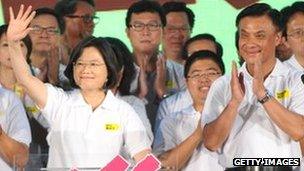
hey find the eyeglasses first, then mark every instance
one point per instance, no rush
(90, 65)
(141, 26)
(39, 30)
(210, 75)
(173, 29)
(86, 18)
(297, 34)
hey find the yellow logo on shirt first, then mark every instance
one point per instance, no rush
(32, 109)
(112, 127)
(169, 84)
(1, 113)
(282, 94)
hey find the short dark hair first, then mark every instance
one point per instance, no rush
(26, 40)
(261, 9)
(67, 7)
(204, 36)
(104, 49)
(145, 6)
(178, 6)
(49, 11)
(288, 12)
(200, 55)
(124, 60)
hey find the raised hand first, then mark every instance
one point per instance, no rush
(18, 27)
(257, 85)
(142, 80)
(237, 85)
(160, 81)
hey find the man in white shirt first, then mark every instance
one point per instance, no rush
(260, 112)
(179, 128)
(293, 20)
(15, 133)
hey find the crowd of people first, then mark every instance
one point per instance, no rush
(82, 100)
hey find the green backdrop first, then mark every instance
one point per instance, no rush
(212, 16)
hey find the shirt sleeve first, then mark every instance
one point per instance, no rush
(56, 98)
(297, 93)
(216, 100)
(162, 111)
(165, 136)
(18, 125)
(135, 136)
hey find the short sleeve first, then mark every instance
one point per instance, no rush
(216, 100)
(165, 136)
(135, 136)
(18, 127)
(297, 93)
(56, 99)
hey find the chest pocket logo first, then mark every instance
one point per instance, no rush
(112, 127)
(281, 95)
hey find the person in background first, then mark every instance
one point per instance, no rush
(179, 135)
(144, 24)
(179, 25)
(45, 36)
(293, 32)
(75, 116)
(15, 134)
(79, 20)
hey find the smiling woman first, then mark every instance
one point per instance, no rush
(90, 115)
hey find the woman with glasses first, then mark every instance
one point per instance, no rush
(179, 135)
(89, 125)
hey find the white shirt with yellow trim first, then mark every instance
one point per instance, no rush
(13, 121)
(254, 134)
(80, 137)
(177, 127)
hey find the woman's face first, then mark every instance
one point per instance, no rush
(90, 70)
(4, 54)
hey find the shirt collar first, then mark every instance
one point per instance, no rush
(78, 99)
(278, 70)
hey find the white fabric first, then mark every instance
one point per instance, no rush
(253, 133)
(174, 103)
(82, 137)
(13, 121)
(293, 63)
(176, 128)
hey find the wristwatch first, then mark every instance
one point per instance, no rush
(266, 97)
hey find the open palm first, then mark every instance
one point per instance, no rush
(18, 27)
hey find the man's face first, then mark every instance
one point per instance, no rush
(295, 34)
(201, 75)
(45, 32)
(79, 25)
(258, 39)
(145, 31)
(176, 32)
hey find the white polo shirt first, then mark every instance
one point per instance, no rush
(177, 127)
(172, 104)
(175, 76)
(80, 137)
(253, 133)
(13, 121)
(293, 63)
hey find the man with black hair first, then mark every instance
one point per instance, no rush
(180, 23)
(144, 25)
(293, 21)
(256, 112)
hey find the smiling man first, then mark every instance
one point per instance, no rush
(258, 110)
